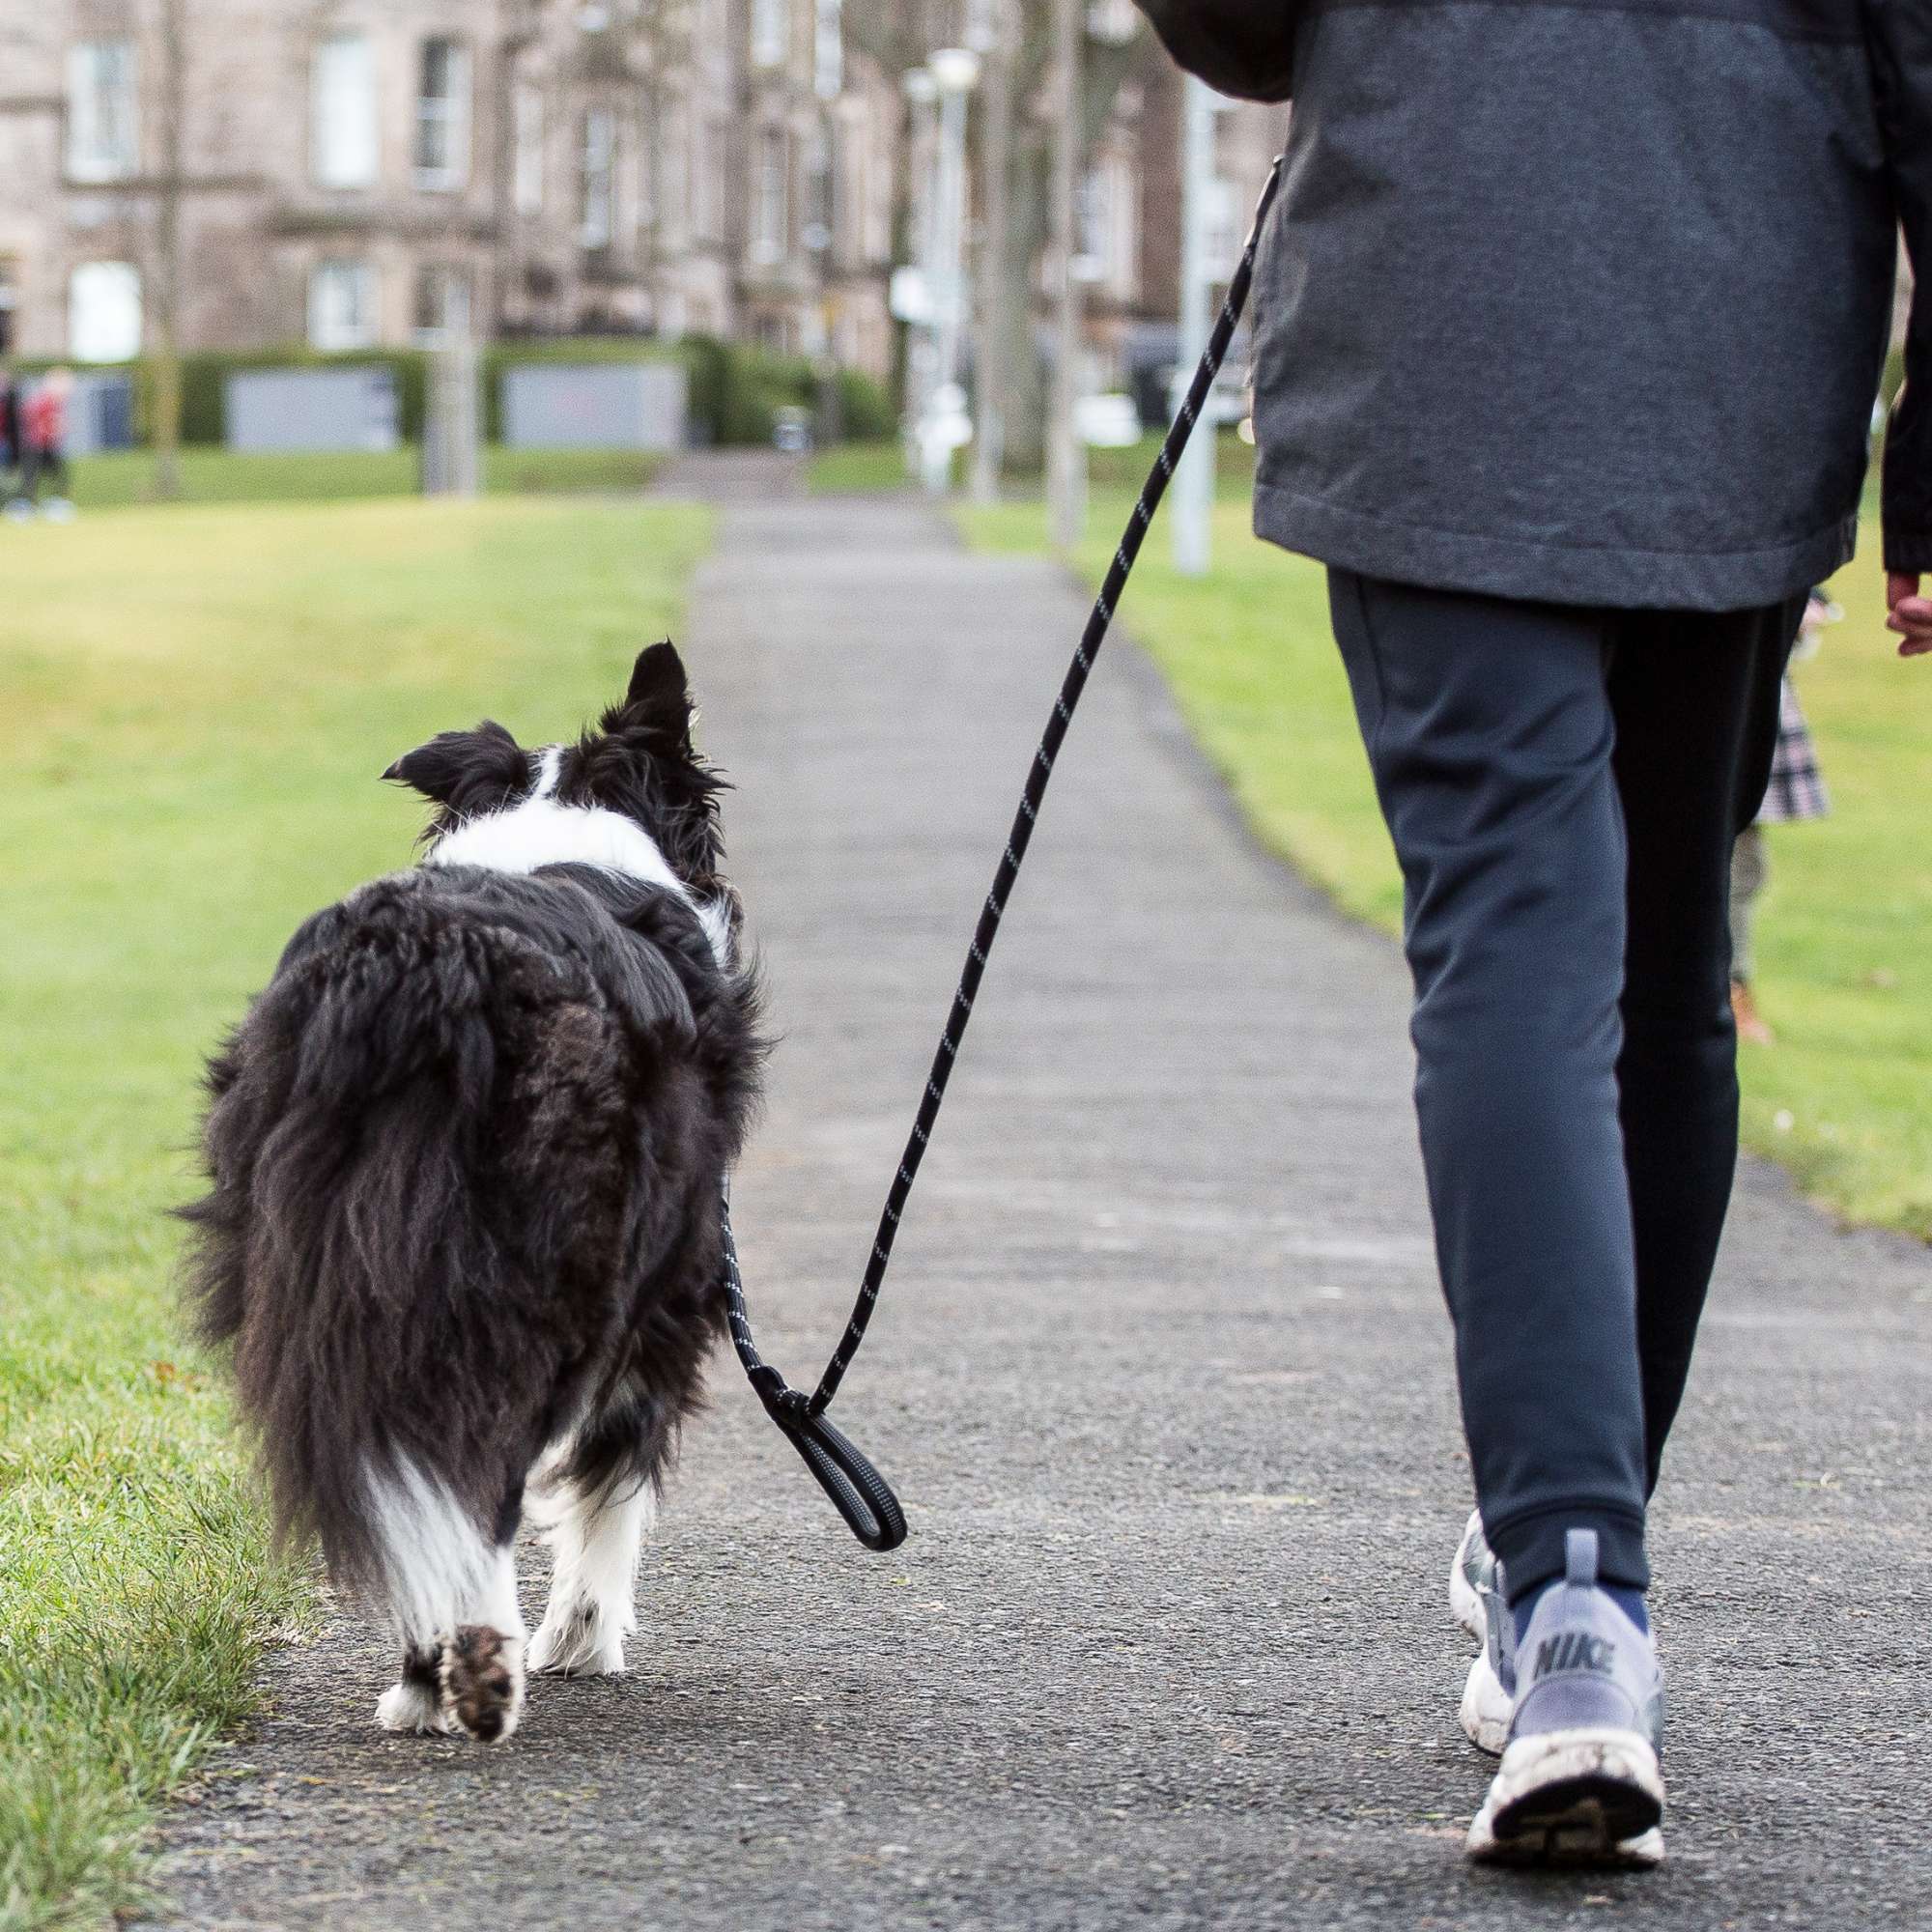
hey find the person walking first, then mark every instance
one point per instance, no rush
(43, 432)
(9, 430)
(1521, 250)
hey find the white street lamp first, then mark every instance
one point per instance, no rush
(955, 71)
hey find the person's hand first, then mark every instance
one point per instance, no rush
(1911, 613)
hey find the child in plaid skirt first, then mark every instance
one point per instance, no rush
(1796, 792)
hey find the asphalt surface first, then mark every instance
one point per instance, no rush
(1164, 1378)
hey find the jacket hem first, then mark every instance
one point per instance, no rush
(1494, 565)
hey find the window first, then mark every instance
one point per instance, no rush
(871, 192)
(1112, 22)
(1106, 218)
(820, 201)
(101, 137)
(595, 215)
(673, 196)
(848, 188)
(103, 312)
(769, 213)
(443, 115)
(1225, 216)
(342, 112)
(827, 51)
(441, 305)
(770, 31)
(707, 181)
(342, 305)
(527, 112)
(646, 182)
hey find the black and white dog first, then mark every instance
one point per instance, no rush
(467, 1153)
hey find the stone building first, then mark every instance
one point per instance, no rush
(363, 173)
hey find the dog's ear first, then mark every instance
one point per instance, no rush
(658, 682)
(467, 770)
(659, 698)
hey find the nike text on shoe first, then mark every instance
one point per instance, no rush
(1579, 1781)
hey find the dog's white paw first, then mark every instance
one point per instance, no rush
(412, 1707)
(583, 1640)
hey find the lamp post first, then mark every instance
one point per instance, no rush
(956, 71)
(944, 428)
(922, 92)
(1065, 458)
(991, 34)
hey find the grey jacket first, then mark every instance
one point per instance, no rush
(1588, 300)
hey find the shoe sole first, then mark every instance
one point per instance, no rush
(1486, 1709)
(1464, 1606)
(1592, 1796)
(1486, 1722)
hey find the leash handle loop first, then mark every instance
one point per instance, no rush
(846, 1473)
(843, 1470)
(856, 1489)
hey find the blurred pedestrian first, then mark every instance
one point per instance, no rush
(43, 424)
(10, 430)
(1519, 254)
(1795, 792)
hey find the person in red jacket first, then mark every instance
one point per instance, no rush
(43, 434)
(10, 423)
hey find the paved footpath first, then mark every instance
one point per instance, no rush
(1163, 1376)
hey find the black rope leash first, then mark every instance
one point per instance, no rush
(860, 1493)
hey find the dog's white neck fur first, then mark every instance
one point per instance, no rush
(538, 831)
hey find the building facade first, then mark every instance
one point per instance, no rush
(377, 173)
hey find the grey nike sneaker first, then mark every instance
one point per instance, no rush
(1476, 1600)
(1579, 1782)
(1472, 1565)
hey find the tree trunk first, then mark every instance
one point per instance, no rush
(166, 397)
(1022, 407)
(1066, 457)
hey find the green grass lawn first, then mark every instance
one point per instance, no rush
(873, 468)
(861, 468)
(119, 477)
(198, 703)
(1845, 950)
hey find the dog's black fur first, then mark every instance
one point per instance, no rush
(467, 1151)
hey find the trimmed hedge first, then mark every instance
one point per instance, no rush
(866, 411)
(734, 395)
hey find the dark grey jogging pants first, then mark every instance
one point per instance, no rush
(1563, 786)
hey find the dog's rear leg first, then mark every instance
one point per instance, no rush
(595, 1529)
(452, 1590)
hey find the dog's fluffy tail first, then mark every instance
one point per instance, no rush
(422, 1140)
